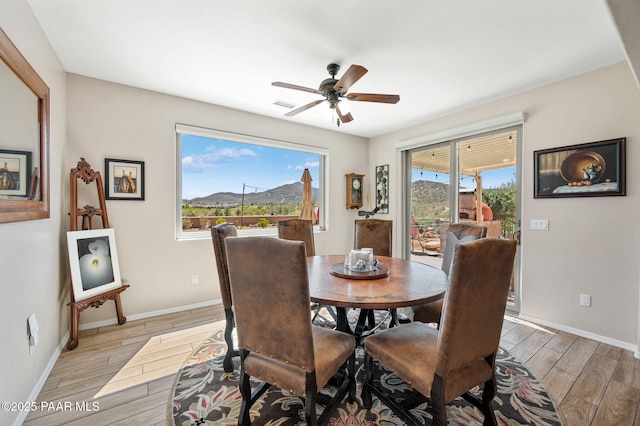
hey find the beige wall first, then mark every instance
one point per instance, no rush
(32, 262)
(115, 121)
(591, 247)
(592, 244)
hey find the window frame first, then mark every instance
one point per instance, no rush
(185, 129)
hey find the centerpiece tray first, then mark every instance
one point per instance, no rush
(339, 270)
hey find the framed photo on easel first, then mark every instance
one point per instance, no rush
(93, 259)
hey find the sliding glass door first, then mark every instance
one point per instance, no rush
(472, 179)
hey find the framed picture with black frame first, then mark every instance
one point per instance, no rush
(15, 173)
(594, 169)
(124, 179)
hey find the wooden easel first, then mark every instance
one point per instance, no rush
(88, 175)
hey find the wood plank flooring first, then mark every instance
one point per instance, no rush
(123, 375)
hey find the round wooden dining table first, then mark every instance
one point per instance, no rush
(406, 284)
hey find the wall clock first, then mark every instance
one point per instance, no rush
(354, 190)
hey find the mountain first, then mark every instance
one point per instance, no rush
(289, 193)
(433, 192)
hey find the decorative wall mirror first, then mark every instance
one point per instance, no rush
(24, 138)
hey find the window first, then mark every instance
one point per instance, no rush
(246, 180)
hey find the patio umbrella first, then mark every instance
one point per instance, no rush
(307, 198)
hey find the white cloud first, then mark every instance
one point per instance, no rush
(307, 165)
(213, 157)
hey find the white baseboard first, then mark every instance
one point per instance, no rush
(54, 357)
(33, 396)
(585, 334)
(151, 314)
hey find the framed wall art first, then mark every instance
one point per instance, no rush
(124, 179)
(586, 170)
(382, 188)
(15, 173)
(93, 259)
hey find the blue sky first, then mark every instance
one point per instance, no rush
(213, 165)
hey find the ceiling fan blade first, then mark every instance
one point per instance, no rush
(296, 87)
(344, 118)
(353, 74)
(373, 97)
(304, 108)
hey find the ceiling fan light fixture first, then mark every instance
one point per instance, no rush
(335, 94)
(323, 108)
(330, 113)
(345, 106)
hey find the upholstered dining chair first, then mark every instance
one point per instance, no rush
(444, 364)
(375, 234)
(298, 230)
(457, 233)
(278, 344)
(218, 235)
(302, 230)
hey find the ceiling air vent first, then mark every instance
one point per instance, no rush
(284, 104)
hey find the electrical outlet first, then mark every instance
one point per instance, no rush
(585, 300)
(194, 279)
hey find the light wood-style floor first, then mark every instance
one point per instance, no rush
(123, 375)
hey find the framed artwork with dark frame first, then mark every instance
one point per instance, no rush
(592, 169)
(93, 259)
(124, 179)
(15, 173)
(382, 188)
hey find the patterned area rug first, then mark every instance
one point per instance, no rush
(204, 394)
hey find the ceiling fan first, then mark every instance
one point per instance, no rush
(335, 93)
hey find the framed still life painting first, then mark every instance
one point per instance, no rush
(586, 170)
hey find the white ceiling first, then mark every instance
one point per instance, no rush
(439, 56)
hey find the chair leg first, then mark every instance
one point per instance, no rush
(351, 373)
(245, 391)
(227, 364)
(394, 318)
(310, 400)
(488, 393)
(439, 408)
(368, 380)
(371, 319)
(332, 312)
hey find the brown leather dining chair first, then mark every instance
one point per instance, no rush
(456, 234)
(444, 364)
(218, 235)
(375, 234)
(278, 344)
(302, 230)
(298, 230)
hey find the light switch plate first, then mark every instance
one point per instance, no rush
(540, 224)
